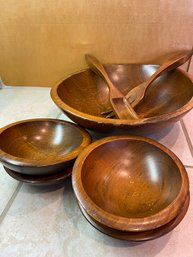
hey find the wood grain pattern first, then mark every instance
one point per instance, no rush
(130, 183)
(41, 146)
(138, 93)
(118, 101)
(42, 41)
(83, 96)
(142, 235)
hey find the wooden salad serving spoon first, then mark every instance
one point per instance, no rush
(119, 103)
(135, 95)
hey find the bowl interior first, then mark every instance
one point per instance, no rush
(87, 93)
(35, 140)
(130, 178)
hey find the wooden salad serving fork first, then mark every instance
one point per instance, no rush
(135, 95)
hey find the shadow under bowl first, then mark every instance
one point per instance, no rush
(83, 96)
(41, 146)
(130, 183)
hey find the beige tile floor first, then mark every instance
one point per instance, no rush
(46, 221)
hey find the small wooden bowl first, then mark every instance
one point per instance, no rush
(41, 146)
(83, 96)
(130, 183)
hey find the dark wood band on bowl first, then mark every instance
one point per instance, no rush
(142, 235)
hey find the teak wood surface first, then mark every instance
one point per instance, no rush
(130, 183)
(136, 95)
(41, 146)
(41, 180)
(83, 96)
(119, 103)
(142, 235)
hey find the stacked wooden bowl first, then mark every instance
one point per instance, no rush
(41, 151)
(131, 187)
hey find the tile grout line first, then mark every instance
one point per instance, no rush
(58, 115)
(188, 166)
(9, 203)
(189, 62)
(187, 137)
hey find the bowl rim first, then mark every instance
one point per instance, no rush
(122, 223)
(19, 161)
(117, 122)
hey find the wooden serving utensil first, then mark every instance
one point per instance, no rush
(119, 103)
(135, 95)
